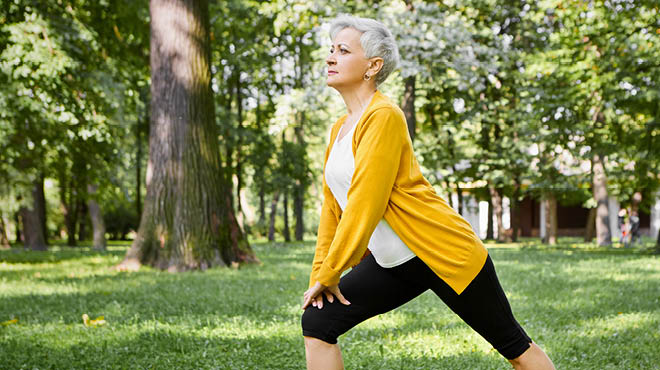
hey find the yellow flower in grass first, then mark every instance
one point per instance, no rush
(9, 322)
(99, 321)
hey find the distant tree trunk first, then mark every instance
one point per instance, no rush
(300, 186)
(298, 210)
(285, 205)
(33, 229)
(273, 213)
(82, 220)
(41, 195)
(450, 199)
(69, 203)
(590, 230)
(489, 229)
(239, 143)
(515, 218)
(408, 105)
(96, 215)
(459, 197)
(262, 205)
(550, 219)
(187, 221)
(496, 198)
(603, 232)
(19, 227)
(4, 241)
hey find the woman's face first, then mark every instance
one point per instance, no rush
(347, 63)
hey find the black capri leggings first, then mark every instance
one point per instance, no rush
(373, 290)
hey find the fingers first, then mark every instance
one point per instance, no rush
(335, 290)
(319, 301)
(329, 296)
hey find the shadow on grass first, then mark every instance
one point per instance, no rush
(55, 255)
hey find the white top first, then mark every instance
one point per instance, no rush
(386, 246)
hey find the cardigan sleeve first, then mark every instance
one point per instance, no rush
(380, 143)
(327, 225)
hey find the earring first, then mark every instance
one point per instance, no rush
(367, 77)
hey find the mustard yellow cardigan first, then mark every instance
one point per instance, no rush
(388, 183)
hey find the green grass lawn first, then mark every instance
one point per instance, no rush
(589, 308)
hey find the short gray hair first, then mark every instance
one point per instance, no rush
(376, 40)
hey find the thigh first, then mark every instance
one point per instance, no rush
(485, 308)
(371, 289)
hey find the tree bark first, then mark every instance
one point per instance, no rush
(273, 213)
(590, 230)
(99, 242)
(603, 232)
(408, 105)
(550, 219)
(187, 221)
(33, 229)
(497, 209)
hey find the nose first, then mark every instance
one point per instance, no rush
(330, 60)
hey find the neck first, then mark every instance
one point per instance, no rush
(356, 99)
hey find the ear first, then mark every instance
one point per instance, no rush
(375, 65)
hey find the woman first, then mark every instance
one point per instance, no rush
(376, 198)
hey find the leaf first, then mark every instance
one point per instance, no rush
(9, 322)
(99, 321)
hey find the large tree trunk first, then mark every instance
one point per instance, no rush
(603, 232)
(497, 208)
(187, 221)
(4, 241)
(273, 213)
(408, 105)
(96, 215)
(590, 230)
(550, 219)
(33, 229)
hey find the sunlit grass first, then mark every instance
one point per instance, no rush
(589, 307)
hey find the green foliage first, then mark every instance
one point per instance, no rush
(584, 306)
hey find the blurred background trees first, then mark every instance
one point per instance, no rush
(556, 101)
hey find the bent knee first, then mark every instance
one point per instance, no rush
(315, 327)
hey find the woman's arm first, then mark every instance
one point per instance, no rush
(381, 142)
(326, 231)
